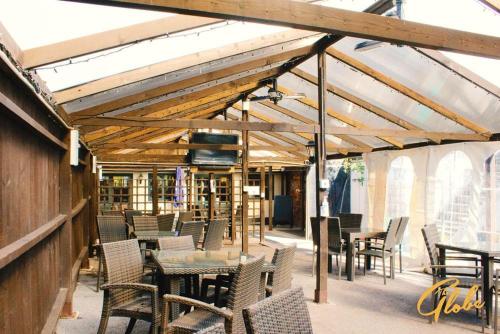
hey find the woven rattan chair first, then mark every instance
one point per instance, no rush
(184, 243)
(215, 235)
(215, 329)
(145, 223)
(351, 220)
(468, 275)
(244, 292)
(110, 229)
(386, 250)
(193, 228)
(315, 234)
(285, 312)
(111, 213)
(166, 222)
(184, 216)
(281, 278)
(124, 293)
(130, 213)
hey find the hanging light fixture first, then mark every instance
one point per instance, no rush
(310, 146)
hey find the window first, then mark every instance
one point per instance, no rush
(399, 188)
(453, 198)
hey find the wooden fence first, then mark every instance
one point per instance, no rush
(46, 211)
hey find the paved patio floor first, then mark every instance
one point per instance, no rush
(365, 306)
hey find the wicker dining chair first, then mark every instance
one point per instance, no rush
(111, 213)
(166, 222)
(131, 213)
(193, 228)
(110, 229)
(214, 235)
(215, 329)
(145, 223)
(403, 224)
(468, 275)
(285, 312)
(386, 250)
(124, 293)
(184, 243)
(184, 216)
(351, 220)
(315, 234)
(244, 292)
(281, 278)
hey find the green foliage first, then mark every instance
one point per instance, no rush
(356, 166)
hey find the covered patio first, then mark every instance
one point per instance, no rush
(361, 134)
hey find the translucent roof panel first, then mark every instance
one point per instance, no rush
(383, 97)
(432, 80)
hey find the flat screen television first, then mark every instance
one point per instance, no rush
(213, 157)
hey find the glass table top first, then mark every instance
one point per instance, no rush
(190, 259)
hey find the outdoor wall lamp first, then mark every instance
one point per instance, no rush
(310, 146)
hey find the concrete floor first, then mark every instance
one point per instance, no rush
(363, 306)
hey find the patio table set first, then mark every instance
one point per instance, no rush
(154, 275)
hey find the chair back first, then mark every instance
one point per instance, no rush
(111, 229)
(129, 214)
(215, 235)
(281, 278)
(166, 221)
(390, 236)
(145, 223)
(314, 230)
(401, 230)
(184, 216)
(334, 233)
(285, 312)
(244, 291)
(122, 264)
(431, 238)
(350, 220)
(111, 213)
(194, 229)
(184, 243)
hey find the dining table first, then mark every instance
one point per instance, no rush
(350, 235)
(487, 252)
(172, 266)
(152, 236)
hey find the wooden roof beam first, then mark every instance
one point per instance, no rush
(180, 63)
(330, 20)
(104, 40)
(258, 62)
(341, 117)
(407, 91)
(360, 102)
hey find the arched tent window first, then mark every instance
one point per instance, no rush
(399, 188)
(490, 198)
(453, 198)
(398, 192)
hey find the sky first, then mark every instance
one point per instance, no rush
(39, 22)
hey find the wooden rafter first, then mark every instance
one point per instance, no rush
(360, 102)
(112, 38)
(331, 20)
(341, 117)
(204, 78)
(176, 64)
(306, 120)
(407, 91)
(272, 127)
(307, 136)
(193, 99)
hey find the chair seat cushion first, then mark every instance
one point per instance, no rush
(196, 321)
